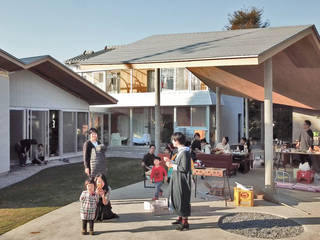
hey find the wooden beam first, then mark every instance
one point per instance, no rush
(173, 64)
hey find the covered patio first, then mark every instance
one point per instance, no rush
(274, 65)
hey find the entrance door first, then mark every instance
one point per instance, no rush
(38, 129)
(53, 133)
(17, 133)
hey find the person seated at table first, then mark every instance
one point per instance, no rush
(196, 144)
(223, 147)
(147, 161)
(205, 147)
(244, 144)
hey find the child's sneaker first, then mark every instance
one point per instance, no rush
(155, 198)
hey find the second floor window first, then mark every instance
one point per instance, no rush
(167, 79)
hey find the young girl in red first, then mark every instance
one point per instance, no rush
(157, 175)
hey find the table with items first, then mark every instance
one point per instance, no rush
(213, 172)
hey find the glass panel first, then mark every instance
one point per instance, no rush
(88, 76)
(150, 76)
(98, 80)
(120, 126)
(198, 116)
(183, 116)
(181, 79)
(140, 81)
(167, 78)
(69, 132)
(166, 124)
(16, 133)
(125, 84)
(106, 129)
(39, 129)
(196, 83)
(54, 133)
(113, 80)
(96, 122)
(139, 122)
(82, 129)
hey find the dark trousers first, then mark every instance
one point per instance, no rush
(84, 224)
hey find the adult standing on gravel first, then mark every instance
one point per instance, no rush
(94, 155)
(180, 184)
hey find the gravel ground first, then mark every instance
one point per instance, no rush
(258, 225)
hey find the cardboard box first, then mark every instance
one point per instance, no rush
(157, 207)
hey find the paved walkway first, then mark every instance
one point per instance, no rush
(134, 223)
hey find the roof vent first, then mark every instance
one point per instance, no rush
(88, 52)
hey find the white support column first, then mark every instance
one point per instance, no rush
(157, 109)
(218, 115)
(268, 120)
(174, 118)
(60, 130)
(109, 129)
(246, 109)
(131, 126)
(208, 123)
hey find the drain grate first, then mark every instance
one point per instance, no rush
(259, 225)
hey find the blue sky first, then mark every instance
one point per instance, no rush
(65, 28)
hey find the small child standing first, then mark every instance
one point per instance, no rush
(157, 175)
(88, 201)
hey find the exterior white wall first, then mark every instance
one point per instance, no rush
(4, 125)
(168, 98)
(31, 91)
(298, 118)
(229, 118)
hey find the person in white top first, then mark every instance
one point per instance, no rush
(223, 146)
(205, 147)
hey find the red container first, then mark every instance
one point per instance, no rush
(305, 176)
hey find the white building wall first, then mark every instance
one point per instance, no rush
(4, 125)
(31, 91)
(229, 118)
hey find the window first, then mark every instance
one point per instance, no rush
(167, 78)
(69, 132)
(166, 124)
(98, 79)
(88, 76)
(139, 81)
(125, 81)
(198, 115)
(82, 129)
(150, 77)
(113, 79)
(181, 79)
(196, 84)
(183, 116)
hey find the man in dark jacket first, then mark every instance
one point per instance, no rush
(306, 141)
(147, 161)
(23, 148)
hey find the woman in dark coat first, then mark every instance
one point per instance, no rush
(94, 155)
(180, 184)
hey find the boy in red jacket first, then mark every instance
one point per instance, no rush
(157, 175)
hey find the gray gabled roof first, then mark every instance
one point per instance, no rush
(89, 54)
(199, 46)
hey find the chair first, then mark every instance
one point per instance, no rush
(115, 139)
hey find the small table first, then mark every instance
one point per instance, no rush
(213, 172)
